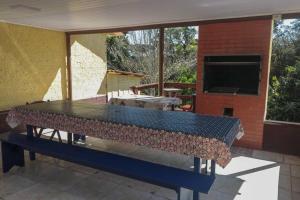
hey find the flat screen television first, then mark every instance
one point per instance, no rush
(232, 74)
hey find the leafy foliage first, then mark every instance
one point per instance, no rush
(137, 51)
(180, 54)
(284, 90)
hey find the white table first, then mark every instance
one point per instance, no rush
(145, 101)
(171, 92)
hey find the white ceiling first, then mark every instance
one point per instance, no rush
(69, 15)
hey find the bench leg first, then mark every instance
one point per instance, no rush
(30, 135)
(11, 155)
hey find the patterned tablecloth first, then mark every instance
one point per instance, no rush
(144, 101)
(207, 137)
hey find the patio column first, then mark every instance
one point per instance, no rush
(69, 76)
(161, 61)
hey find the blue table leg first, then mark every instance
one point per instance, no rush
(30, 135)
(197, 169)
(213, 168)
(76, 137)
(206, 167)
(69, 138)
(178, 194)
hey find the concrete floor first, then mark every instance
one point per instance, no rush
(251, 174)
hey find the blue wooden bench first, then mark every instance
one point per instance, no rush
(13, 146)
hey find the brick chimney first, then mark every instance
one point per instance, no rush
(249, 37)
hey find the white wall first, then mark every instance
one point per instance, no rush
(118, 84)
(89, 65)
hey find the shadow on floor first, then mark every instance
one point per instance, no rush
(251, 175)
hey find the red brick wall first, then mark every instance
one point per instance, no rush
(233, 38)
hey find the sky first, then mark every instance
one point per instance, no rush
(288, 21)
(139, 38)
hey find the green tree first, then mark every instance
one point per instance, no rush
(118, 52)
(180, 53)
(284, 90)
(137, 51)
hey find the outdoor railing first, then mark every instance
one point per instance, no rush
(183, 86)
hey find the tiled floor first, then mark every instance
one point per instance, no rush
(251, 175)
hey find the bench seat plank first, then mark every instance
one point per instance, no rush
(158, 174)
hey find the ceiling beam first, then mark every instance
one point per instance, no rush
(290, 15)
(167, 25)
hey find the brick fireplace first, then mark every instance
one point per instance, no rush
(251, 37)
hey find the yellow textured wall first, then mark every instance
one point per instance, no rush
(32, 65)
(118, 84)
(89, 65)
